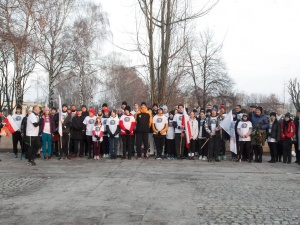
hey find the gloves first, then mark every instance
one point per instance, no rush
(98, 138)
(36, 124)
(127, 131)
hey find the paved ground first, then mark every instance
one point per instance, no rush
(85, 191)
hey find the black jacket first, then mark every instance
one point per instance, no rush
(296, 122)
(275, 131)
(77, 127)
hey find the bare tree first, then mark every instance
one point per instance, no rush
(294, 92)
(207, 70)
(88, 31)
(54, 40)
(166, 29)
(16, 26)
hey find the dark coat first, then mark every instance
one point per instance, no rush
(296, 122)
(275, 132)
(52, 124)
(77, 127)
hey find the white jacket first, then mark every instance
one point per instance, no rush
(194, 128)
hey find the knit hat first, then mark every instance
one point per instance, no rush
(245, 114)
(46, 108)
(127, 108)
(64, 105)
(92, 111)
(143, 103)
(106, 110)
(223, 107)
(164, 107)
(273, 114)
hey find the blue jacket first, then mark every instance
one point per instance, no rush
(260, 122)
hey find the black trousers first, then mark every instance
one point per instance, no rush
(213, 147)
(33, 144)
(202, 152)
(105, 145)
(297, 151)
(192, 146)
(127, 145)
(258, 152)
(90, 143)
(279, 150)
(80, 141)
(141, 138)
(273, 151)
(159, 143)
(179, 148)
(287, 150)
(244, 146)
(170, 147)
(85, 144)
(16, 137)
(71, 146)
(65, 145)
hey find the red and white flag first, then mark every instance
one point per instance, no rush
(184, 122)
(10, 124)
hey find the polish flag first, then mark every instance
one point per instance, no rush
(184, 122)
(10, 124)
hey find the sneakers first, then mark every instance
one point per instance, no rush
(200, 157)
(138, 158)
(217, 159)
(28, 163)
(95, 157)
(33, 163)
(204, 158)
(158, 157)
(60, 158)
(16, 155)
(45, 158)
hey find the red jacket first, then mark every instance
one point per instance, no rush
(289, 131)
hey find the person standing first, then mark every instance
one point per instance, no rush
(66, 123)
(260, 123)
(159, 127)
(48, 130)
(273, 135)
(113, 130)
(143, 120)
(297, 145)
(170, 137)
(202, 136)
(280, 118)
(194, 135)
(89, 122)
(179, 132)
(244, 130)
(212, 126)
(97, 130)
(135, 109)
(85, 113)
(105, 142)
(127, 124)
(32, 138)
(78, 132)
(16, 136)
(287, 133)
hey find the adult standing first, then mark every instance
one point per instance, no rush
(16, 136)
(273, 136)
(280, 118)
(159, 127)
(113, 130)
(179, 132)
(89, 122)
(78, 132)
(143, 120)
(260, 123)
(66, 123)
(287, 133)
(32, 138)
(48, 130)
(297, 145)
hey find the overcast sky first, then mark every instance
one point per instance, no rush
(261, 47)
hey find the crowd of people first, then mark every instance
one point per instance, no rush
(145, 131)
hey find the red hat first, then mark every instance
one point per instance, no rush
(106, 110)
(223, 107)
(92, 111)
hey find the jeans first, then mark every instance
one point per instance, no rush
(47, 138)
(113, 146)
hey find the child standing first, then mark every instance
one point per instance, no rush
(113, 130)
(98, 130)
(170, 138)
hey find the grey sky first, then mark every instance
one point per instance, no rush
(261, 47)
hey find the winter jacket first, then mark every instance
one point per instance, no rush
(287, 132)
(204, 133)
(77, 127)
(260, 122)
(275, 131)
(194, 128)
(296, 122)
(143, 120)
(66, 124)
